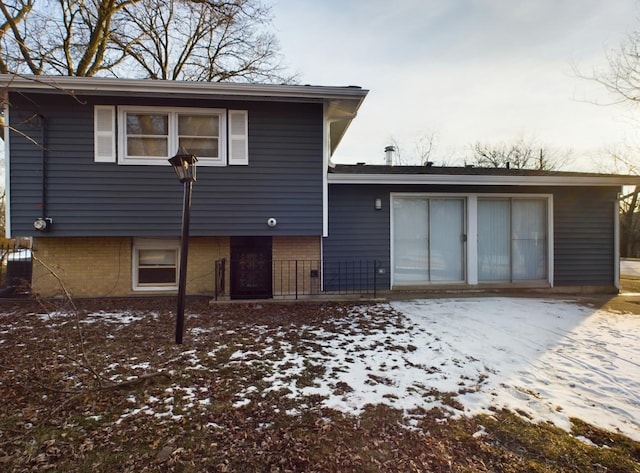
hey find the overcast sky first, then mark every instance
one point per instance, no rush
(468, 71)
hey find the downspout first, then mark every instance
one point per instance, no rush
(43, 166)
(7, 170)
(43, 223)
(326, 163)
(616, 244)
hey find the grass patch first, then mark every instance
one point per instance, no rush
(545, 448)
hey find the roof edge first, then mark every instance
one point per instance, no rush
(582, 179)
(88, 85)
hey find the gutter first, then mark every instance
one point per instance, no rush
(96, 85)
(484, 180)
(7, 171)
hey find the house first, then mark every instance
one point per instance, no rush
(88, 180)
(478, 228)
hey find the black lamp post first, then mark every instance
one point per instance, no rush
(184, 164)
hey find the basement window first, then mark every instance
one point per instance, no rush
(155, 265)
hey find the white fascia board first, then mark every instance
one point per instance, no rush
(485, 180)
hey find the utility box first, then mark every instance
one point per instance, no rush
(19, 268)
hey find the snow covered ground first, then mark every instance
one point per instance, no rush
(630, 267)
(547, 359)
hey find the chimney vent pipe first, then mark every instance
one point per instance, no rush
(388, 152)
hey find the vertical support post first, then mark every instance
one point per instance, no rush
(616, 245)
(184, 250)
(296, 279)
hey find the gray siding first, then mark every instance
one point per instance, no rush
(583, 227)
(584, 236)
(357, 231)
(283, 179)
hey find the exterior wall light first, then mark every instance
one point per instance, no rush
(272, 222)
(184, 163)
(378, 204)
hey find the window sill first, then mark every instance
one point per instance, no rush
(206, 162)
(155, 288)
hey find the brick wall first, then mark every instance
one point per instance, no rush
(102, 267)
(203, 253)
(86, 266)
(296, 265)
(296, 247)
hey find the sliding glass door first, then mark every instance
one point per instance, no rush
(512, 239)
(428, 240)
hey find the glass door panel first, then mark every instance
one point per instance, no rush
(494, 240)
(428, 240)
(411, 240)
(529, 245)
(447, 240)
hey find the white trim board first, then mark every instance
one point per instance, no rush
(484, 180)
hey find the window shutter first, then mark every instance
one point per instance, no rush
(104, 124)
(238, 137)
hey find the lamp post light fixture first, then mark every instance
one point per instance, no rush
(184, 163)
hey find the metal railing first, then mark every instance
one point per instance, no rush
(219, 278)
(293, 279)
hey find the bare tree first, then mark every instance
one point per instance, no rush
(521, 154)
(622, 79)
(624, 160)
(201, 40)
(11, 35)
(63, 37)
(420, 153)
(622, 76)
(3, 203)
(204, 40)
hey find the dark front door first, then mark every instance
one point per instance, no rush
(251, 268)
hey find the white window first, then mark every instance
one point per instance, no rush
(152, 135)
(155, 265)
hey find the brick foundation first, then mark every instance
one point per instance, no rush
(86, 266)
(296, 265)
(102, 267)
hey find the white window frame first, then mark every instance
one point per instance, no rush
(153, 244)
(471, 226)
(172, 146)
